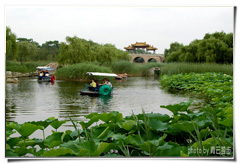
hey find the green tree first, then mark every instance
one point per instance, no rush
(218, 47)
(77, 50)
(74, 51)
(106, 54)
(29, 40)
(213, 48)
(173, 48)
(174, 56)
(49, 50)
(33, 46)
(11, 44)
(228, 56)
(25, 51)
(191, 51)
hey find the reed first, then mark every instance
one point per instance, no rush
(177, 68)
(133, 68)
(78, 71)
(25, 67)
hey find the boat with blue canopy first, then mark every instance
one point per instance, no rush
(104, 89)
(43, 74)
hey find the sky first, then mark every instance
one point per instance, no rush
(121, 26)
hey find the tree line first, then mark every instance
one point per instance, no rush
(77, 50)
(24, 49)
(74, 50)
(213, 48)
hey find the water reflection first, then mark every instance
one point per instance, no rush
(105, 99)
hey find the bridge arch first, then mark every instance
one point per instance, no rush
(152, 60)
(145, 58)
(138, 60)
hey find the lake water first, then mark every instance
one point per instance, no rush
(29, 100)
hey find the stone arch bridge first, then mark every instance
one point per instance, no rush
(147, 58)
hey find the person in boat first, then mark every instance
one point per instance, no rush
(93, 86)
(43, 73)
(98, 85)
(40, 75)
(109, 83)
(104, 82)
(46, 73)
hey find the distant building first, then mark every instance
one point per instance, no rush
(140, 45)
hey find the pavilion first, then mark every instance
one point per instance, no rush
(140, 45)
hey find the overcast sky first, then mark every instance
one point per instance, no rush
(121, 26)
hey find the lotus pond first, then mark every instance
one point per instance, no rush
(206, 132)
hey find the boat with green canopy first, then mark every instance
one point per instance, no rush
(104, 89)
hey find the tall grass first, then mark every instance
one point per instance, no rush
(133, 68)
(177, 68)
(25, 67)
(78, 71)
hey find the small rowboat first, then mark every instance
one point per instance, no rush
(104, 90)
(121, 76)
(118, 77)
(44, 78)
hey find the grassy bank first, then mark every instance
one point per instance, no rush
(78, 71)
(25, 67)
(177, 68)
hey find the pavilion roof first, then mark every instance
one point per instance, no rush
(151, 48)
(129, 47)
(141, 44)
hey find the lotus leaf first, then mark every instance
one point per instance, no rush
(58, 152)
(53, 140)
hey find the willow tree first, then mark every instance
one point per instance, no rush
(108, 53)
(77, 50)
(11, 44)
(73, 51)
(26, 50)
(105, 54)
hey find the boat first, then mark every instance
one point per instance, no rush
(104, 90)
(118, 77)
(121, 76)
(44, 78)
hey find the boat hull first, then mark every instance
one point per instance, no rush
(91, 93)
(118, 78)
(45, 79)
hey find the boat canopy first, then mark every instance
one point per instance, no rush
(101, 74)
(44, 68)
